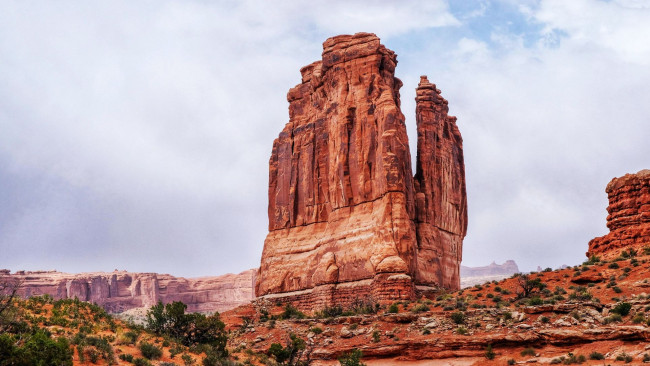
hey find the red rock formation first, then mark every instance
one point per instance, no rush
(441, 200)
(629, 215)
(120, 290)
(342, 212)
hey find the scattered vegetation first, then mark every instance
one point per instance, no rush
(489, 353)
(353, 358)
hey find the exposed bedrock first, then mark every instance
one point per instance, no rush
(629, 216)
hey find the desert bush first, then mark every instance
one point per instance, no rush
(149, 351)
(528, 352)
(622, 308)
(489, 353)
(353, 358)
(596, 356)
(458, 317)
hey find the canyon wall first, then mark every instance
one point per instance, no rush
(347, 219)
(120, 290)
(629, 216)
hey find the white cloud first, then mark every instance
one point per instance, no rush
(157, 118)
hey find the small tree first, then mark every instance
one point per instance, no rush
(8, 291)
(529, 286)
(353, 358)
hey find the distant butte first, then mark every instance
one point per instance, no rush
(120, 291)
(629, 216)
(348, 220)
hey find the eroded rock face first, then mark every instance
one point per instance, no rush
(120, 290)
(441, 199)
(343, 218)
(629, 215)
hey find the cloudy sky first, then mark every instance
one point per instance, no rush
(136, 134)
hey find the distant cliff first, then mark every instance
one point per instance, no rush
(508, 268)
(119, 291)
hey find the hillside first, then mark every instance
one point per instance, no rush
(580, 311)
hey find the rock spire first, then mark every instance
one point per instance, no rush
(347, 219)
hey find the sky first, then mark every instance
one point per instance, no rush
(136, 135)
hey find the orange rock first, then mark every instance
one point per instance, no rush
(342, 197)
(629, 216)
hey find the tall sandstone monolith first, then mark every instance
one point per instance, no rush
(347, 219)
(629, 216)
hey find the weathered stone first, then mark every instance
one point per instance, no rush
(629, 216)
(346, 218)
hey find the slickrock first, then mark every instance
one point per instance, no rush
(629, 216)
(119, 291)
(347, 219)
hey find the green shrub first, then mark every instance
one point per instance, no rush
(141, 362)
(187, 359)
(126, 357)
(489, 353)
(622, 308)
(512, 361)
(190, 329)
(536, 300)
(613, 318)
(420, 308)
(461, 330)
(375, 336)
(353, 358)
(624, 357)
(329, 312)
(596, 356)
(458, 317)
(291, 312)
(544, 319)
(528, 352)
(150, 351)
(613, 265)
(316, 330)
(393, 308)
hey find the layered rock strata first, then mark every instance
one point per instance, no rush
(347, 219)
(629, 215)
(120, 290)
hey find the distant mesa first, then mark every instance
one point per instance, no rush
(120, 291)
(348, 218)
(470, 276)
(629, 216)
(508, 268)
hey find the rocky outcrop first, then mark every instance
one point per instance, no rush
(508, 268)
(347, 219)
(629, 215)
(440, 199)
(119, 291)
